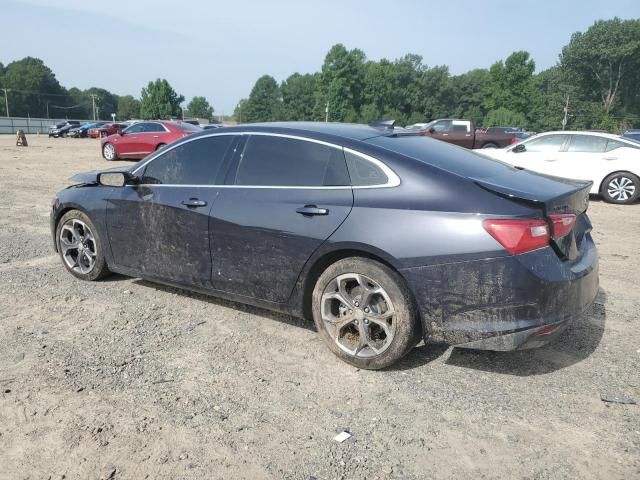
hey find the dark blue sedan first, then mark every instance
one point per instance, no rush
(382, 237)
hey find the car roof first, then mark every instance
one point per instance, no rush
(350, 131)
(581, 132)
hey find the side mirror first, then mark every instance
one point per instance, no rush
(115, 179)
(432, 130)
(121, 132)
(519, 148)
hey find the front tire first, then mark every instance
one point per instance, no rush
(622, 188)
(364, 312)
(80, 246)
(109, 152)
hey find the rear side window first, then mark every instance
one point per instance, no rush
(614, 144)
(587, 144)
(548, 143)
(278, 161)
(192, 163)
(153, 127)
(364, 173)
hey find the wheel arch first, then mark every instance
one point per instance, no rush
(604, 178)
(322, 261)
(59, 214)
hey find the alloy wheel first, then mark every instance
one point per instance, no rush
(621, 188)
(78, 245)
(358, 314)
(109, 151)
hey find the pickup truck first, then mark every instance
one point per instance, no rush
(464, 133)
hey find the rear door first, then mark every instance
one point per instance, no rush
(160, 227)
(584, 158)
(152, 135)
(286, 196)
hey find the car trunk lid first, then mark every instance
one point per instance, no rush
(554, 196)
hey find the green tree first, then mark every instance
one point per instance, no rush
(32, 84)
(128, 108)
(605, 59)
(470, 94)
(298, 97)
(160, 101)
(341, 84)
(199, 107)
(510, 85)
(264, 103)
(501, 117)
(240, 112)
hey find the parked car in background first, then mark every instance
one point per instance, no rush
(632, 134)
(107, 129)
(61, 129)
(83, 130)
(381, 238)
(612, 163)
(465, 134)
(140, 139)
(210, 126)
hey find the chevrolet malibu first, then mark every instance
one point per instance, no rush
(380, 237)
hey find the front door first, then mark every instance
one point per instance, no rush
(160, 228)
(286, 197)
(541, 154)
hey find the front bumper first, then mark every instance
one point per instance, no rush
(504, 303)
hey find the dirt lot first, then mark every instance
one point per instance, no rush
(126, 379)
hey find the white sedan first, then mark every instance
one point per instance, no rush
(612, 163)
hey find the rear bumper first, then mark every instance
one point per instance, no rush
(504, 303)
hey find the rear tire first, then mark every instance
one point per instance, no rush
(80, 246)
(489, 145)
(109, 152)
(364, 312)
(622, 188)
(160, 145)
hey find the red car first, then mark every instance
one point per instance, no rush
(106, 130)
(140, 139)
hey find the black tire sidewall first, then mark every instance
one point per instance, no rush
(408, 331)
(100, 268)
(604, 193)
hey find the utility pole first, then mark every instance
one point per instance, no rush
(47, 109)
(6, 100)
(566, 113)
(326, 113)
(93, 105)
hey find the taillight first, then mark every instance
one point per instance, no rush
(562, 224)
(518, 236)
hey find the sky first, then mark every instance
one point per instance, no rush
(219, 48)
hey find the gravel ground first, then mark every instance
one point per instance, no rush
(126, 379)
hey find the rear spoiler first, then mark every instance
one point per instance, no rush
(570, 196)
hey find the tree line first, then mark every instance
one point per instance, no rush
(594, 85)
(32, 90)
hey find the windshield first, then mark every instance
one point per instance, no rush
(187, 127)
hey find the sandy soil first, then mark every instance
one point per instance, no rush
(125, 379)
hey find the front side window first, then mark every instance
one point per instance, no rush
(278, 161)
(548, 143)
(192, 163)
(137, 128)
(587, 144)
(443, 126)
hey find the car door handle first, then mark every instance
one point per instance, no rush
(156, 136)
(550, 159)
(310, 210)
(610, 158)
(194, 202)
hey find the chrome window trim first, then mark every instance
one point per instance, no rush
(392, 179)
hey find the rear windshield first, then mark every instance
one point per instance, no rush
(443, 155)
(187, 127)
